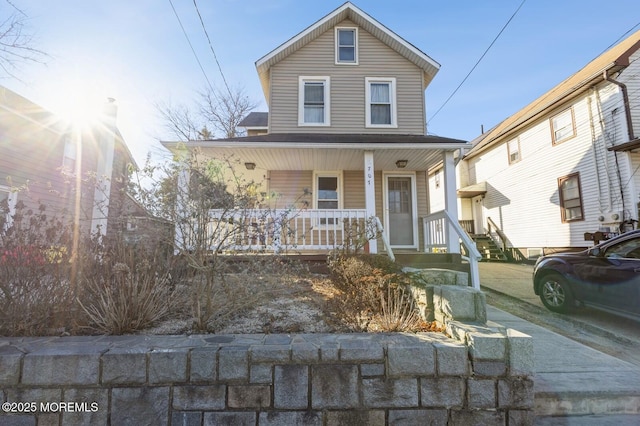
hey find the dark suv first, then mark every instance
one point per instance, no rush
(606, 276)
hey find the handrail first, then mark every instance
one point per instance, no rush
(474, 255)
(385, 240)
(503, 237)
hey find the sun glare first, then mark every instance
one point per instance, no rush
(81, 103)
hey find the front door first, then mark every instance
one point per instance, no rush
(400, 211)
(478, 216)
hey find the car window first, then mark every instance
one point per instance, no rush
(627, 249)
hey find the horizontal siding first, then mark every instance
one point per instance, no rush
(287, 188)
(347, 86)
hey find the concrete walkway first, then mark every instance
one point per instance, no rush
(571, 379)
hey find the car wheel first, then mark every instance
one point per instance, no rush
(555, 293)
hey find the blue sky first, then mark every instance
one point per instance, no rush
(135, 51)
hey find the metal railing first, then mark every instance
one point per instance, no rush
(435, 228)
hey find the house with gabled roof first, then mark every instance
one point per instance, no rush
(41, 155)
(346, 123)
(563, 172)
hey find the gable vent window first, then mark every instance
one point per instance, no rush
(314, 101)
(347, 46)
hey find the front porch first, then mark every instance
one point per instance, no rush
(313, 231)
(365, 192)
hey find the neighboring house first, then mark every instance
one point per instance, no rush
(40, 155)
(256, 123)
(347, 122)
(564, 167)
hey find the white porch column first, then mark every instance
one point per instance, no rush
(370, 194)
(450, 200)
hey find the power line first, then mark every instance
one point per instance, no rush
(191, 45)
(478, 62)
(212, 50)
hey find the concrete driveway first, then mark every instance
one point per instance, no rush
(509, 278)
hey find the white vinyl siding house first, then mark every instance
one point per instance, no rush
(569, 179)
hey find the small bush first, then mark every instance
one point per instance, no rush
(131, 299)
(373, 291)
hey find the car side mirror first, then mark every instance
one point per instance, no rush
(595, 251)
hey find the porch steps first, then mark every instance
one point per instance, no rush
(488, 249)
(451, 261)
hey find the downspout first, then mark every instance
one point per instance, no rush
(593, 151)
(625, 100)
(627, 112)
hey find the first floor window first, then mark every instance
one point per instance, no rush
(381, 102)
(563, 126)
(570, 198)
(314, 101)
(327, 194)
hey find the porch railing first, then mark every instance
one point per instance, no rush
(435, 228)
(281, 230)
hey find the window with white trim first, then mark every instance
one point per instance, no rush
(69, 155)
(313, 93)
(327, 193)
(513, 149)
(7, 206)
(563, 126)
(346, 46)
(381, 102)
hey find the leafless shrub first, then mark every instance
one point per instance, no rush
(129, 300)
(398, 311)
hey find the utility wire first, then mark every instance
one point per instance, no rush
(191, 46)
(212, 50)
(477, 63)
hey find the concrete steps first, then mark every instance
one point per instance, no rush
(488, 249)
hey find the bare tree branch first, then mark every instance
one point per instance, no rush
(16, 44)
(223, 111)
(178, 120)
(217, 114)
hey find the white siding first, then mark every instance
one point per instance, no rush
(523, 199)
(347, 86)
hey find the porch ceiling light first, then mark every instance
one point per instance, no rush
(401, 164)
(250, 166)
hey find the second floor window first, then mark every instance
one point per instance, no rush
(563, 126)
(346, 46)
(513, 147)
(69, 156)
(314, 101)
(381, 102)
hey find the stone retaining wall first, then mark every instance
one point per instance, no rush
(481, 375)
